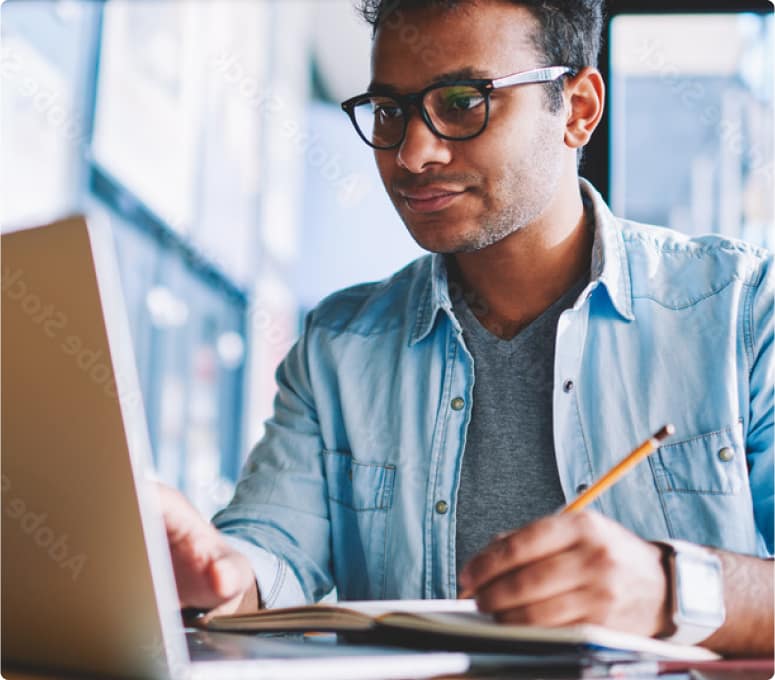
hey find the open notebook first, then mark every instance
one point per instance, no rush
(448, 624)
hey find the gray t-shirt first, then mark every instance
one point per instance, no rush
(509, 474)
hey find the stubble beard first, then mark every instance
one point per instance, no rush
(524, 192)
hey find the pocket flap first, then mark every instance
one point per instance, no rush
(708, 463)
(357, 485)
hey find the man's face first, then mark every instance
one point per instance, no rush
(462, 196)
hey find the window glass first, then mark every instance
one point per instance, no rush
(188, 338)
(146, 116)
(169, 90)
(351, 231)
(692, 122)
(44, 52)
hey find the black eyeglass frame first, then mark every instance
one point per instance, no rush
(485, 87)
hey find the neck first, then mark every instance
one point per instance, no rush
(515, 280)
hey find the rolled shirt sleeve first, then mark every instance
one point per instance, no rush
(277, 584)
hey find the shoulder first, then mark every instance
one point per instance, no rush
(678, 270)
(376, 307)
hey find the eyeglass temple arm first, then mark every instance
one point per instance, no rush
(538, 75)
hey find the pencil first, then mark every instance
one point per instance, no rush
(615, 473)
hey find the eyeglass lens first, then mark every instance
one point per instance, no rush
(455, 111)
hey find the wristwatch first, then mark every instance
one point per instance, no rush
(695, 591)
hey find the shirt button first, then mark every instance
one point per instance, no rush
(726, 454)
(458, 403)
(442, 507)
(567, 386)
(581, 488)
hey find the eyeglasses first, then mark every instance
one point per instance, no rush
(452, 110)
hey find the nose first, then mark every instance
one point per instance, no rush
(421, 148)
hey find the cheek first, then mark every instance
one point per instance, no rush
(504, 144)
(521, 124)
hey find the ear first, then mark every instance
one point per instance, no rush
(584, 96)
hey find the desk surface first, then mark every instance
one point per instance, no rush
(236, 646)
(741, 673)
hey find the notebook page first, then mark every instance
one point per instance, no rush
(378, 607)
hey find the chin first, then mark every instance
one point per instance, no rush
(463, 237)
(439, 233)
(438, 240)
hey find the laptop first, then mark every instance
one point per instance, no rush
(87, 580)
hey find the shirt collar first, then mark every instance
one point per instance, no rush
(434, 297)
(608, 269)
(608, 264)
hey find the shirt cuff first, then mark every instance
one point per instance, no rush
(277, 584)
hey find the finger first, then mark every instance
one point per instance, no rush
(201, 559)
(532, 542)
(192, 576)
(205, 581)
(536, 581)
(181, 518)
(188, 532)
(231, 606)
(581, 605)
(227, 579)
(235, 581)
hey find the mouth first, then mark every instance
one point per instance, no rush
(430, 199)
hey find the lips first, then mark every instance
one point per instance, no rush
(430, 199)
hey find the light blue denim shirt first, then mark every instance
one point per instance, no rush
(354, 484)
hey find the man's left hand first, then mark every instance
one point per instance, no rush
(571, 568)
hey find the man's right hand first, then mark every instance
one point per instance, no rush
(209, 573)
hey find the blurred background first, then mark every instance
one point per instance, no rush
(209, 134)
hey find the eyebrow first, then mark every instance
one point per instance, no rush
(467, 73)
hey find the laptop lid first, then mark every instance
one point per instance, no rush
(87, 580)
(87, 583)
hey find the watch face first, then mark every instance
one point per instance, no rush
(699, 586)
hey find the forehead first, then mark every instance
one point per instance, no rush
(415, 47)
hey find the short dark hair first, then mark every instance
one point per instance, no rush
(569, 35)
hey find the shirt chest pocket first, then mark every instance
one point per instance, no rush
(360, 496)
(704, 491)
(356, 485)
(712, 463)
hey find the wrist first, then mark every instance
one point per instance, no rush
(695, 592)
(250, 599)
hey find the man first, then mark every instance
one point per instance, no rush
(482, 387)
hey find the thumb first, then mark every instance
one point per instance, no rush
(227, 579)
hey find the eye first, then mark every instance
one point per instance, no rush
(460, 98)
(386, 109)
